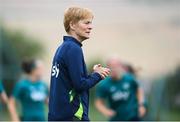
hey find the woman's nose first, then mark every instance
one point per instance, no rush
(90, 26)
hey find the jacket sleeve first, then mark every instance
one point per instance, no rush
(80, 80)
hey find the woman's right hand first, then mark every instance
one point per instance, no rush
(104, 72)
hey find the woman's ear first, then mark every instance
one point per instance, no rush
(72, 25)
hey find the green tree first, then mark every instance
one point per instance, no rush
(14, 47)
(173, 90)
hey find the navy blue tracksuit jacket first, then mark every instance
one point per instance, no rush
(70, 83)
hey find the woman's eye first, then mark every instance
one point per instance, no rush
(87, 22)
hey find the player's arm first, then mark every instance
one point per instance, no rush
(47, 100)
(140, 97)
(100, 105)
(47, 96)
(101, 96)
(16, 94)
(12, 109)
(4, 97)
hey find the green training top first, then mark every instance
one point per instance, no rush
(121, 96)
(31, 96)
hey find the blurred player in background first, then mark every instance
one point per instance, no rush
(31, 92)
(121, 91)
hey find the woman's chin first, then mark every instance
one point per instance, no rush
(85, 37)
